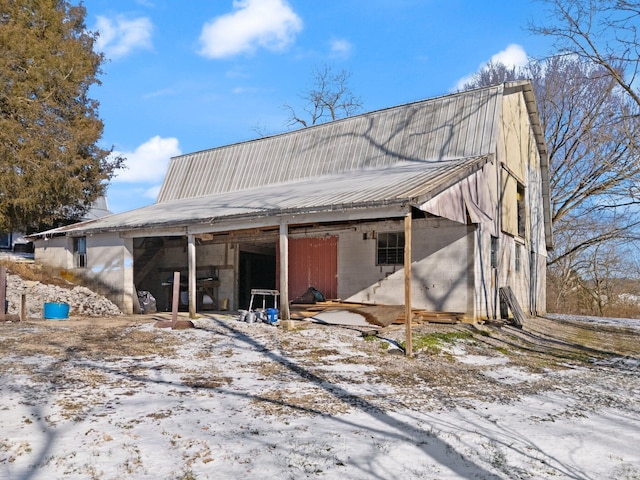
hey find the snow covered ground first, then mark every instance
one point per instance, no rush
(236, 400)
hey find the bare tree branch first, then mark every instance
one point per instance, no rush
(329, 98)
(604, 32)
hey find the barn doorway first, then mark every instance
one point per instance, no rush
(257, 269)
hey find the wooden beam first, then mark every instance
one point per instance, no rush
(176, 299)
(191, 254)
(284, 271)
(141, 274)
(407, 284)
(3, 288)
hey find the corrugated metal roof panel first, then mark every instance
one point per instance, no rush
(410, 182)
(454, 126)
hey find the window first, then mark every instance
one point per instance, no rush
(518, 256)
(80, 252)
(494, 252)
(5, 240)
(513, 205)
(390, 248)
(521, 210)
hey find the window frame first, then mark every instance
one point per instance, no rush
(521, 210)
(6, 240)
(495, 242)
(390, 248)
(80, 252)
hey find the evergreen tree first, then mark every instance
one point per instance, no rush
(51, 168)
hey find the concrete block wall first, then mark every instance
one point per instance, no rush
(109, 269)
(442, 267)
(54, 251)
(176, 259)
(220, 255)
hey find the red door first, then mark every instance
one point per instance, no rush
(313, 262)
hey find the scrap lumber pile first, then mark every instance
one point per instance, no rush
(426, 316)
(382, 315)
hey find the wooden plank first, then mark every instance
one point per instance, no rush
(508, 297)
(176, 298)
(407, 284)
(3, 288)
(142, 273)
(283, 240)
(191, 261)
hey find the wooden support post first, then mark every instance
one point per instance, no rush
(284, 271)
(407, 285)
(191, 253)
(3, 288)
(23, 307)
(176, 298)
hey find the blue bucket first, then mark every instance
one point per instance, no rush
(56, 311)
(272, 315)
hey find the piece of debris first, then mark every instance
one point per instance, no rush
(311, 296)
(178, 325)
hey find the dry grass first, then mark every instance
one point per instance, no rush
(95, 339)
(311, 370)
(34, 272)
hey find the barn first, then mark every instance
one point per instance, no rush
(442, 202)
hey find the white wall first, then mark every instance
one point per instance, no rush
(442, 267)
(207, 256)
(222, 256)
(55, 251)
(110, 264)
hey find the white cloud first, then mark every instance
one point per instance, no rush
(148, 163)
(512, 56)
(121, 36)
(341, 48)
(270, 24)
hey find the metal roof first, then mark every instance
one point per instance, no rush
(460, 125)
(399, 156)
(409, 183)
(99, 208)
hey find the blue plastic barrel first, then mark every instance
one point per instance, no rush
(56, 311)
(272, 315)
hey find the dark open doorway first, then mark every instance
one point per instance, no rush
(257, 270)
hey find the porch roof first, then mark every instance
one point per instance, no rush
(403, 184)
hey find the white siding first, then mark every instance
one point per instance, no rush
(110, 262)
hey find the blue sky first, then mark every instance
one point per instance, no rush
(192, 75)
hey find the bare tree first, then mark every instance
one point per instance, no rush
(602, 32)
(494, 73)
(329, 98)
(590, 130)
(591, 127)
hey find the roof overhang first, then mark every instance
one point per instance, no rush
(372, 193)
